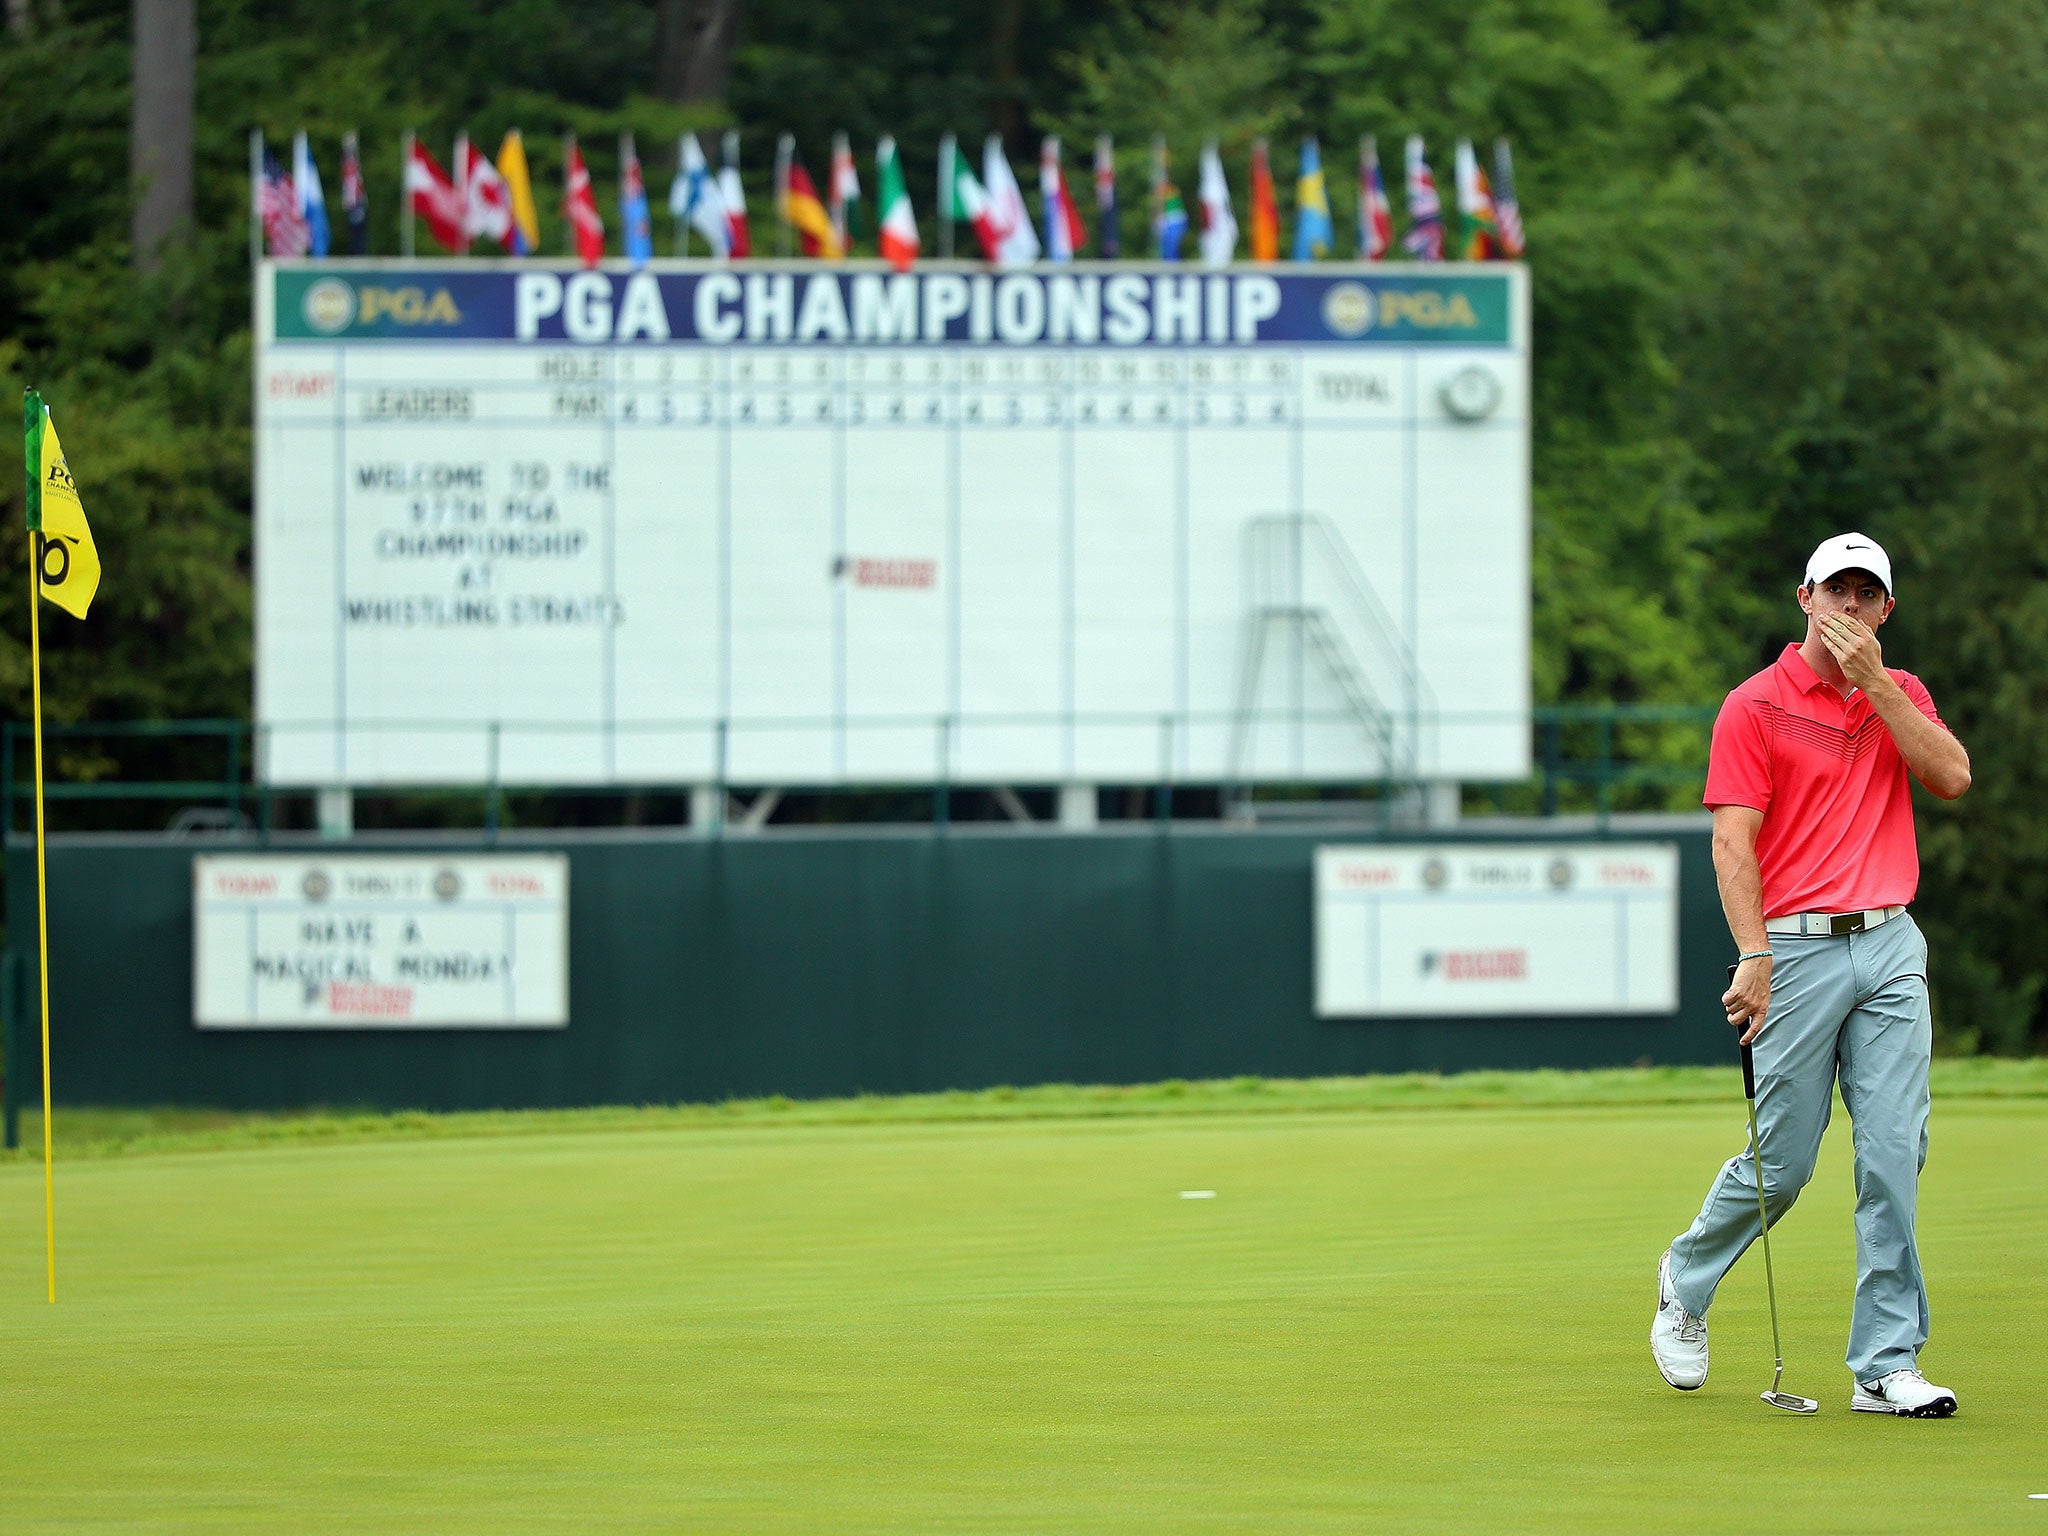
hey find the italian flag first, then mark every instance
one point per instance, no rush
(962, 197)
(898, 233)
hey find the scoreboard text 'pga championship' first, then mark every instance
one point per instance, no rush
(791, 524)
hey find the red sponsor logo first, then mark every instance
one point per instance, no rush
(513, 885)
(300, 386)
(1625, 872)
(245, 885)
(1365, 875)
(903, 575)
(1477, 964)
(369, 999)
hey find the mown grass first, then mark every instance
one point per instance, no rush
(102, 1132)
(994, 1313)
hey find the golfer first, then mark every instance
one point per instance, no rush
(1814, 852)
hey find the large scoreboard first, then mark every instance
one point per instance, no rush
(808, 524)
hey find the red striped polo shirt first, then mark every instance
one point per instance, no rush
(1838, 809)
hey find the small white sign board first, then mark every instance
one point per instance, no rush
(1490, 931)
(365, 941)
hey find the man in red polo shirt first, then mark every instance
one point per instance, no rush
(1814, 851)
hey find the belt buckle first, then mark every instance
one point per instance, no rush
(1845, 922)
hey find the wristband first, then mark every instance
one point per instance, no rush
(1754, 954)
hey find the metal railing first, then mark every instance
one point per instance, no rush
(1302, 577)
(1596, 759)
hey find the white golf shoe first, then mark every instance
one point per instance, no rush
(1904, 1392)
(1678, 1340)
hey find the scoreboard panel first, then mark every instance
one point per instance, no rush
(805, 524)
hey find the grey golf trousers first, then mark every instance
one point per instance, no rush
(1853, 1008)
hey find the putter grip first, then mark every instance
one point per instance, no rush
(1748, 1064)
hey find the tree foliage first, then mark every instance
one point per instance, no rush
(1864, 347)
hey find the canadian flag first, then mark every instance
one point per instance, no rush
(487, 201)
(432, 197)
(1018, 241)
(580, 205)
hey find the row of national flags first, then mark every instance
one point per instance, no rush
(481, 201)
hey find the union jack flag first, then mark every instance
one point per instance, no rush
(277, 204)
(355, 197)
(1425, 238)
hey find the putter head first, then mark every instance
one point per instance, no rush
(1791, 1402)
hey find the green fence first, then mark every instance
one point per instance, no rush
(820, 964)
(1593, 759)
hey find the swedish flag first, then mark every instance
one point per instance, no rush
(68, 563)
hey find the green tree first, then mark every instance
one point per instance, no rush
(1189, 74)
(1623, 559)
(1865, 348)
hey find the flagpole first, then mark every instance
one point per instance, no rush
(682, 220)
(948, 148)
(627, 150)
(1158, 194)
(1368, 154)
(35, 651)
(785, 152)
(835, 204)
(405, 197)
(462, 189)
(255, 198)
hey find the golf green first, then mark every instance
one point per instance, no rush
(1384, 1319)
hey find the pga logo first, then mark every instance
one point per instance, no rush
(1348, 309)
(329, 306)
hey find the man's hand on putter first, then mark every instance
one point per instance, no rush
(1748, 997)
(1854, 646)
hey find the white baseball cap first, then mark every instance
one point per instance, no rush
(1850, 552)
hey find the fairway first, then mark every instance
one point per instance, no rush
(1384, 1320)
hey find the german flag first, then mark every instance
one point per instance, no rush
(798, 205)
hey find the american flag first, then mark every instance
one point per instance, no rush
(1507, 212)
(284, 226)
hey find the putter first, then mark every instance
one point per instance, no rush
(1790, 1402)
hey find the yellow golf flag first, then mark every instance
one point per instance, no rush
(70, 563)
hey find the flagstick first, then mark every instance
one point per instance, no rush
(35, 647)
